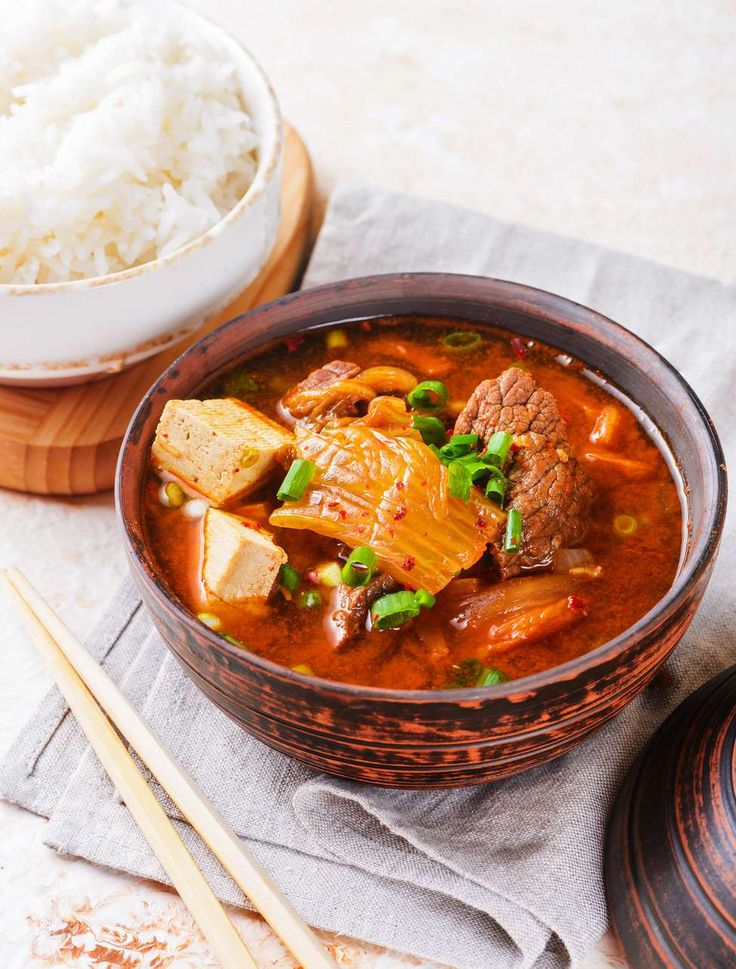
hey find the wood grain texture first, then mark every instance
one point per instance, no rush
(671, 848)
(65, 441)
(424, 739)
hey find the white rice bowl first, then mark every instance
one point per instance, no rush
(124, 136)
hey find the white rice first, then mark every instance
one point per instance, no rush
(123, 136)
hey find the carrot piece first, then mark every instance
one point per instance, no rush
(528, 625)
(607, 426)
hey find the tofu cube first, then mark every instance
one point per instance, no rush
(239, 561)
(221, 448)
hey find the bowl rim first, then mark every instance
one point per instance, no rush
(265, 170)
(647, 624)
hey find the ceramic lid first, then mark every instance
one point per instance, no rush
(671, 850)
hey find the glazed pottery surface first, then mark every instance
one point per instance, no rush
(671, 848)
(425, 739)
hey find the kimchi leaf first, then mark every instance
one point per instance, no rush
(384, 488)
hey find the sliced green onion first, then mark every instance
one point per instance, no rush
(211, 620)
(329, 574)
(496, 491)
(173, 495)
(304, 669)
(459, 446)
(235, 642)
(438, 453)
(491, 677)
(360, 566)
(461, 340)
(424, 599)
(477, 468)
(297, 478)
(459, 481)
(465, 440)
(289, 577)
(238, 384)
(498, 448)
(625, 525)
(310, 599)
(431, 428)
(336, 339)
(514, 526)
(394, 610)
(428, 395)
(466, 673)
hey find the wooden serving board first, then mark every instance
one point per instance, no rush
(65, 440)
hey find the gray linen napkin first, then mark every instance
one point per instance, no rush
(505, 875)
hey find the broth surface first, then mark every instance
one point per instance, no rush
(637, 569)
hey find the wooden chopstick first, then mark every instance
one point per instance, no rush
(160, 833)
(201, 813)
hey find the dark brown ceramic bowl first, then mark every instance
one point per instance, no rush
(425, 739)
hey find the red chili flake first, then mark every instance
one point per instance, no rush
(519, 347)
(254, 526)
(292, 342)
(400, 485)
(480, 522)
(577, 604)
(408, 564)
(364, 514)
(332, 504)
(400, 513)
(514, 447)
(342, 514)
(166, 436)
(313, 577)
(236, 470)
(365, 325)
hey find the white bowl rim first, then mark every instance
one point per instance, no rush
(267, 165)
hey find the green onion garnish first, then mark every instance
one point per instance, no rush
(424, 599)
(211, 620)
(514, 525)
(496, 491)
(428, 395)
(309, 599)
(471, 672)
(235, 642)
(289, 577)
(431, 428)
(359, 568)
(459, 446)
(498, 448)
(461, 340)
(491, 677)
(477, 468)
(394, 610)
(459, 480)
(297, 478)
(238, 384)
(304, 669)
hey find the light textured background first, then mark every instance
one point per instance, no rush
(614, 121)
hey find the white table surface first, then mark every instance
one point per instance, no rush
(611, 121)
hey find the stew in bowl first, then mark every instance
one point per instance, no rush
(460, 507)
(421, 530)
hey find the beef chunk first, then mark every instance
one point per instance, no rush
(352, 605)
(546, 484)
(553, 494)
(512, 403)
(322, 379)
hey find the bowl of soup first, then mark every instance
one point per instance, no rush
(421, 530)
